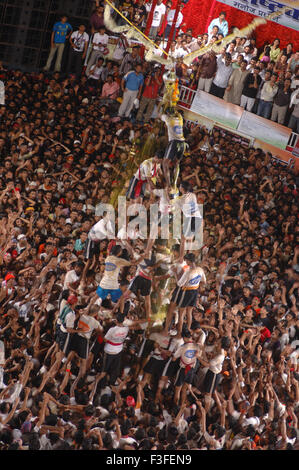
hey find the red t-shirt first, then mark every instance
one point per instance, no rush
(151, 90)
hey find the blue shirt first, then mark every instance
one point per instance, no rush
(223, 27)
(133, 80)
(60, 32)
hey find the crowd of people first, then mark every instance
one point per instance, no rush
(262, 80)
(123, 341)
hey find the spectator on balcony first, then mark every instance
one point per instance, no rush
(97, 20)
(110, 88)
(61, 31)
(221, 23)
(268, 93)
(153, 83)
(281, 101)
(294, 120)
(139, 13)
(223, 73)
(293, 62)
(235, 85)
(130, 61)
(275, 50)
(79, 43)
(158, 18)
(281, 65)
(99, 47)
(250, 89)
(170, 19)
(214, 32)
(236, 64)
(131, 86)
(207, 66)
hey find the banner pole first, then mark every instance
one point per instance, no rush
(210, 15)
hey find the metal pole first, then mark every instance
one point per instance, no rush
(172, 29)
(173, 25)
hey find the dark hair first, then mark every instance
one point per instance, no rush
(187, 186)
(225, 342)
(116, 250)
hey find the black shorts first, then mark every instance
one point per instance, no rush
(79, 344)
(183, 377)
(171, 368)
(155, 366)
(112, 365)
(175, 294)
(191, 226)
(187, 298)
(142, 285)
(135, 189)
(97, 347)
(211, 381)
(64, 342)
(92, 248)
(146, 348)
(175, 150)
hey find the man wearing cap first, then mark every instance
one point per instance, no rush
(7, 287)
(22, 243)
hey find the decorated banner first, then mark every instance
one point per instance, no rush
(264, 8)
(216, 109)
(265, 130)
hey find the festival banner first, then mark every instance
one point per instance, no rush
(216, 109)
(263, 8)
(264, 130)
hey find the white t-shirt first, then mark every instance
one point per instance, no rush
(71, 278)
(100, 41)
(113, 265)
(192, 278)
(95, 72)
(177, 269)
(147, 169)
(164, 204)
(116, 335)
(170, 18)
(88, 324)
(69, 321)
(187, 354)
(216, 363)
(159, 11)
(101, 230)
(188, 205)
(79, 40)
(163, 342)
